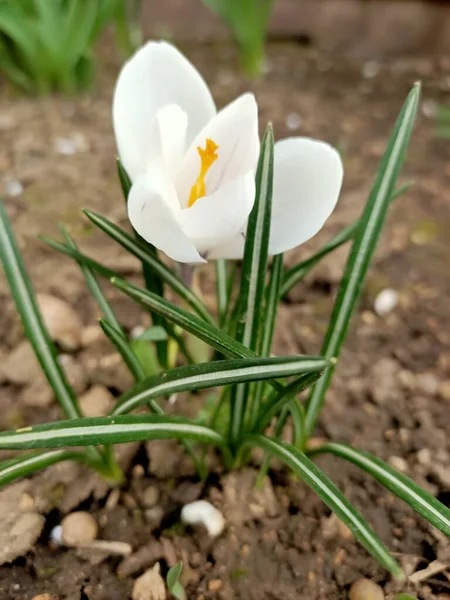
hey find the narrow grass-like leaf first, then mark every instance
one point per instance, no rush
(331, 496)
(214, 374)
(94, 286)
(363, 248)
(125, 181)
(222, 289)
(270, 314)
(107, 430)
(152, 334)
(159, 268)
(253, 276)
(124, 348)
(402, 486)
(16, 468)
(298, 272)
(173, 581)
(35, 330)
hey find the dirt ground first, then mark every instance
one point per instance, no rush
(391, 392)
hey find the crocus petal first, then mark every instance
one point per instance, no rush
(215, 219)
(307, 181)
(172, 124)
(232, 249)
(154, 212)
(156, 76)
(235, 131)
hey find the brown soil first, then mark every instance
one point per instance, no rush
(390, 394)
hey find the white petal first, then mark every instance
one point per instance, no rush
(307, 181)
(235, 130)
(215, 219)
(232, 249)
(154, 212)
(157, 75)
(172, 127)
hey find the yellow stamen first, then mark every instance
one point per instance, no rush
(207, 157)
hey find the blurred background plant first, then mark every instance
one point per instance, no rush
(48, 46)
(248, 21)
(443, 120)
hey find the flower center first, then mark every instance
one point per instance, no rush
(207, 157)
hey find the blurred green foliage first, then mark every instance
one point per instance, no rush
(47, 45)
(443, 120)
(248, 21)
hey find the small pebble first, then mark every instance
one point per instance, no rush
(398, 463)
(444, 390)
(62, 322)
(215, 585)
(428, 383)
(293, 121)
(365, 589)
(56, 536)
(151, 496)
(429, 108)
(79, 528)
(424, 456)
(385, 301)
(149, 586)
(44, 597)
(14, 188)
(203, 513)
(96, 402)
(370, 69)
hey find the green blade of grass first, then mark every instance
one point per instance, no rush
(330, 495)
(215, 374)
(298, 272)
(222, 289)
(153, 263)
(270, 314)
(253, 276)
(107, 430)
(402, 486)
(363, 248)
(125, 350)
(35, 330)
(17, 468)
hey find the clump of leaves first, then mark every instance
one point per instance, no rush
(252, 388)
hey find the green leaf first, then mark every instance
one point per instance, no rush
(30, 463)
(402, 486)
(298, 272)
(152, 334)
(173, 581)
(363, 248)
(159, 268)
(331, 496)
(222, 290)
(125, 350)
(270, 314)
(107, 430)
(253, 276)
(215, 374)
(125, 181)
(94, 286)
(35, 330)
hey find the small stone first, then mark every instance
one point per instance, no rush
(429, 108)
(398, 463)
(385, 302)
(203, 513)
(90, 335)
(56, 536)
(79, 528)
(424, 456)
(293, 121)
(154, 516)
(444, 390)
(365, 589)
(21, 365)
(14, 188)
(150, 496)
(215, 585)
(69, 146)
(74, 371)
(44, 597)
(21, 537)
(62, 322)
(27, 502)
(428, 383)
(149, 586)
(96, 402)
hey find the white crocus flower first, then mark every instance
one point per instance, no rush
(193, 168)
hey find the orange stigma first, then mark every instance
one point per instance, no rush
(207, 157)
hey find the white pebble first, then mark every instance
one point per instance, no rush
(14, 188)
(371, 69)
(293, 121)
(137, 331)
(386, 301)
(429, 108)
(203, 513)
(56, 535)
